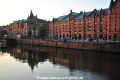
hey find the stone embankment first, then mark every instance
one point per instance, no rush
(73, 45)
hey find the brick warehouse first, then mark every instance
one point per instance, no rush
(102, 24)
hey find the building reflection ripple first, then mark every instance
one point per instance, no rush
(97, 63)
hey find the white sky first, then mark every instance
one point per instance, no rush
(11, 10)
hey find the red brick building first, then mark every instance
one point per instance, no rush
(16, 28)
(114, 20)
(103, 23)
(33, 22)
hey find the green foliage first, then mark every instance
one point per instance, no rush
(4, 31)
(29, 33)
(42, 31)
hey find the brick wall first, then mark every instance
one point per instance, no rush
(74, 45)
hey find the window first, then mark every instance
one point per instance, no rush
(95, 35)
(84, 35)
(94, 30)
(89, 30)
(84, 30)
(109, 37)
(115, 29)
(79, 35)
(100, 29)
(89, 35)
(106, 29)
(100, 36)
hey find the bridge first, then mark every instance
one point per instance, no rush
(3, 33)
(10, 39)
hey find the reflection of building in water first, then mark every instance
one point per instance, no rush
(73, 59)
(29, 56)
(3, 49)
(32, 59)
(86, 60)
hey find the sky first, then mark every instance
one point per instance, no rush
(11, 10)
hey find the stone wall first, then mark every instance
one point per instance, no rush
(74, 45)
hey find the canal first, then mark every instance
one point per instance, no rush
(27, 62)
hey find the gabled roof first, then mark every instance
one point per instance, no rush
(80, 15)
(116, 1)
(98, 12)
(60, 18)
(55, 19)
(105, 11)
(16, 21)
(89, 13)
(75, 14)
(66, 17)
(113, 3)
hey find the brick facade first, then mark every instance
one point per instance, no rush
(16, 28)
(103, 23)
(114, 20)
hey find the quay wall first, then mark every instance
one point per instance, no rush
(73, 45)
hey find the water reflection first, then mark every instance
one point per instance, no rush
(90, 65)
(28, 56)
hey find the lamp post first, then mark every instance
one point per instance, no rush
(105, 38)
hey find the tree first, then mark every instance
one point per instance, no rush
(42, 31)
(29, 33)
(4, 31)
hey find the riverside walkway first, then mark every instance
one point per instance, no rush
(92, 46)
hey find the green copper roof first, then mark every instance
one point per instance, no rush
(80, 15)
(66, 17)
(16, 21)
